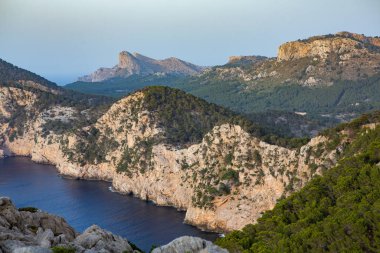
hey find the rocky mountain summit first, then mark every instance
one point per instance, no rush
(137, 64)
(29, 230)
(318, 60)
(328, 78)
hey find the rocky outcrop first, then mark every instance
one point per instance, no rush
(189, 244)
(34, 231)
(137, 64)
(344, 43)
(224, 182)
(99, 240)
(319, 60)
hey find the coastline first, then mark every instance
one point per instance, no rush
(111, 189)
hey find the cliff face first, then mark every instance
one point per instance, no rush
(316, 61)
(137, 64)
(347, 44)
(224, 182)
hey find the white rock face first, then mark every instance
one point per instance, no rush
(224, 182)
(348, 44)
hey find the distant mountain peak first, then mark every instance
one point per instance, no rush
(138, 64)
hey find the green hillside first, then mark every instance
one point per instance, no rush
(9, 72)
(119, 87)
(187, 118)
(342, 97)
(338, 212)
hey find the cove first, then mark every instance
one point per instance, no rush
(84, 203)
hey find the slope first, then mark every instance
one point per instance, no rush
(338, 212)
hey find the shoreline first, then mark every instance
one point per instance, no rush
(68, 177)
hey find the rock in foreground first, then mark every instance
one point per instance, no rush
(33, 231)
(38, 232)
(189, 244)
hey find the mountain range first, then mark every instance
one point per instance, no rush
(320, 81)
(230, 174)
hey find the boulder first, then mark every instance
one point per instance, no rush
(189, 244)
(95, 239)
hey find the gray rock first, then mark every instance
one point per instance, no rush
(186, 244)
(32, 249)
(99, 240)
(27, 231)
(8, 246)
(45, 238)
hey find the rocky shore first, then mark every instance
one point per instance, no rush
(29, 230)
(224, 182)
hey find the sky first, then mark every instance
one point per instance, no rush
(64, 39)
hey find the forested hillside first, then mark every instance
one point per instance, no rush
(9, 72)
(332, 78)
(336, 212)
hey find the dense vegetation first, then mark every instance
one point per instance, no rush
(342, 97)
(290, 124)
(186, 118)
(28, 209)
(338, 212)
(9, 72)
(61, 249)
(119, 87)
(343, 100)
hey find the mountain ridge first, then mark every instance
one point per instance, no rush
(164, 145)
(138, 64)
(330, 77)
(129, 145)
(10, 72)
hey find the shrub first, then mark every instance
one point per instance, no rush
(231, 175)
(60, 249)
(228, 159)
(28, 209)
(338, 212)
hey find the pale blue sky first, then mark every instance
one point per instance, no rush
(63, 39)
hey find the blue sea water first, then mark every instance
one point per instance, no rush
(83, 203)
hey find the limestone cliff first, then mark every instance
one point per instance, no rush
(137, 64)
(344, 43)
(223, 181)
(316, 61)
